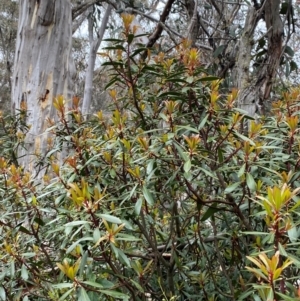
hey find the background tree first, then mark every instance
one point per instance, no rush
(244, 43)
(94, 46)
(43, 67)
(8, 30)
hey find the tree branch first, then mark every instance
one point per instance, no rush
(81, 8)
(159, 28)
(79, 21)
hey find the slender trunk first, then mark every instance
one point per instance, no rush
(242, 79)
(43, 68)
(255, 89)
(94, 46)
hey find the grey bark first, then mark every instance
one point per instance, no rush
(241, 75)
(77, 22)
(255, 88)
(94, 46)
(43, 68)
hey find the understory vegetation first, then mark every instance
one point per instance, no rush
(173, 194)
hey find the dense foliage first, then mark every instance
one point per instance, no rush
(175, 194)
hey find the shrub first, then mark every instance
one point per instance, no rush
(166, 197)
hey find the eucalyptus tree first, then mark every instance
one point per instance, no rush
(8, 30)
(43, 67)
(243, 42)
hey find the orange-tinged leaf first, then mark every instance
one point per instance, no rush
(75, 188)
(115, 232)
(61, 267)
(277, 273)
(273, 263)
(70, 273)
(286, 263)
(106, 225)
(257, 273)
(265, 260)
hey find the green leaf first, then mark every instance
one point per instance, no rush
(250, 182)
(256, 298)
(293, 234)
(209, 212)
(96, 235)
(137, 51)
(270, 295)
(232, 187)
(189, 128)
(83, 295)
(24, 230)
(39, 221)
(70, 249)
(123, 258)
(76, 223)
(24, 272)
(110, 218)
(287, 69)
(244, 138)
(2, 293)
(208, 173)
(183, 155)
(106, 283)
(83, 262)
(130, 38)
(113, 40)
(187, 166)
(12, 269)
(115, 294)
(117, 47)
(92, 283)
(137, 286)
(219, 50)
(127, 237)
(245, 295)
(189, 79)
(62, 285)
(293, 66)
(288, 50)
(66, 294)
(150, 166)
(148, 196)
(242, 170)
(203, 122)
(285, 297)
(138, 206)
(220, 155)
(282, 250)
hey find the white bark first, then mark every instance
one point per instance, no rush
(94, 46)
(43, 67)
(255, 90)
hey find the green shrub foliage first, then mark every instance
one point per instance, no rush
(165, 197)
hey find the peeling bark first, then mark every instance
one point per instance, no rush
(241, 74)
(193, 29)
(43, 67)
(255, 89)
(275, 36)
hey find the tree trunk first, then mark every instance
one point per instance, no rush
(255, 89)
(43, 68)
(94, 46)
(242, 79)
